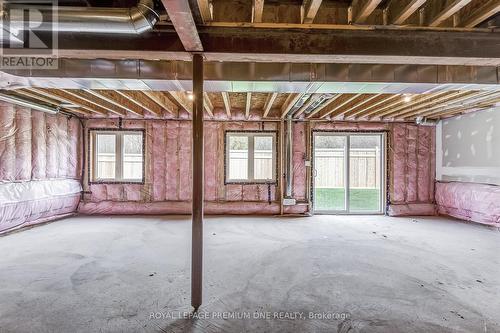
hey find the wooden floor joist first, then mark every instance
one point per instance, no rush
(113, 97)
(342, 106)
(227, 103)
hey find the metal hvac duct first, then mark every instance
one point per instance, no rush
(135, 20)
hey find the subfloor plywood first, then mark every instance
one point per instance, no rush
(132, 274)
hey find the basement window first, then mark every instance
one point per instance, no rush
(117, 156)
(250, 157)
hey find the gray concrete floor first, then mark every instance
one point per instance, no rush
(361, 273)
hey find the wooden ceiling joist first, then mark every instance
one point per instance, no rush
(137, 97)
(361, 9)
(358, 104)
(227, 103)
(181, 98)
(83, 95)
(421, 104)
(269, 103)
(205, 11)
(289, 103)
(401, 104)
(309, 10)
(207, 105)
(257, 10)
(400, 10)
(159, 98)
(358, 113)
(470, 99)
(113, 97)
(248, 105)
(323, 106)
(440, 11)
(334, 111)
(67, 98)
(306, 105)
(481, 14)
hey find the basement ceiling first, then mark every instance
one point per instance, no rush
(263, 106)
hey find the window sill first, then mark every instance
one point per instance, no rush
(116, 182)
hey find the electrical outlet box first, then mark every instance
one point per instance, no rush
(289, 201)
(307, 163)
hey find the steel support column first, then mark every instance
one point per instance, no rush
(197, 148)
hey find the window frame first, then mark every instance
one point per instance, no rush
(92, 154)
(251, 134)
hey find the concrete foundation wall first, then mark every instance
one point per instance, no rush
(167, 187)
(39, 166)
(468, 167)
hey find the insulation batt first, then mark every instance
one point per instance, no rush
(469, 201)
(167, 186)
(39, 166)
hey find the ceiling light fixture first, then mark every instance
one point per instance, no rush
(407, 98)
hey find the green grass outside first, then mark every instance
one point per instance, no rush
(360, 199)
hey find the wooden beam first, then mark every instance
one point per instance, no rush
(361, 9)
(181, 98)
(181, 17)
(51, 101)
(313, 98)
(444, 104)
(366, 110)
(257, 10)
(481, 14)
(357, 105)
(197, 185)
(141, 100)
(289, 103)
(67, 98)
(444, 10)
(338, 107)
(205, 12)
(400, 10)
(82, 94)
(207, 104)
(227, 103)
(248, 105)
(162, 100)
(113, 97)
(310, 9)
(425, 102)
(401, 104)
(323, 106)
(269, 103)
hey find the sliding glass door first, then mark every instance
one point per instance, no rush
(349, 172)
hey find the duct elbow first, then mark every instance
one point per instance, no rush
(143, 17)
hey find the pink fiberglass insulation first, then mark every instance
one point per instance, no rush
(39, 166)
(411, 170)
(469, 201)
(184, 207)
(299, 167)
(167, 187)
